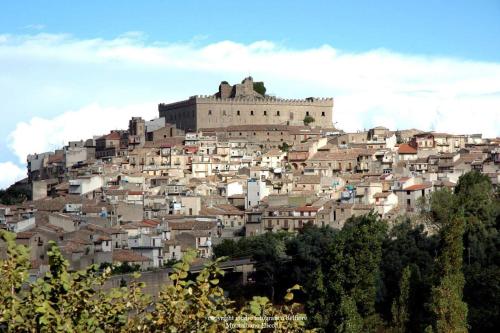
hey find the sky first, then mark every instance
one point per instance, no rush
(70, 70)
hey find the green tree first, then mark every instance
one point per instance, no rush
(351, 321)
(13, 196)
(64, 301)
(481, 210)
(355, 269)
(285, 147)
(260, 88)
(308, 120)
(400, 306)
(447, 305)
(309, 251)
(409, 245)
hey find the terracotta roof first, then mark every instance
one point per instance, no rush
(151, 223)
(24, 235)
(417, 187)
(192, 225)
(56, 158)
(135, 192)
(120, 255)
(111, 136)
(405, 148)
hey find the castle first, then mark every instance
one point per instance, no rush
(241, 104)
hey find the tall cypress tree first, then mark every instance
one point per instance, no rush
(355, 271)
(400, 306)
(450, 311)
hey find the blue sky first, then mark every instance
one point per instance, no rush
(460, 28)
(72, 69)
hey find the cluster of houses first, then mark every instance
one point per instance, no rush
(146, 195)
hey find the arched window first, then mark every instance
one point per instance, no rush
(238, 112)
(277, 113)
(251, 113)
(209, 112)
(265, 113)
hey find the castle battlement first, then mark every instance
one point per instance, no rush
(264, 100)
(242, 104)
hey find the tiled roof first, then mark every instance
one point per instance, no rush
(417, 187)
(309, 179)
(112, 136)
(192, 225)
(307, 209)
(350, 154)
(382, 194)
(121, 255)
(24, 235)
(405, 148)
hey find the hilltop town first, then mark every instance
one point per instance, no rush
(235, 164)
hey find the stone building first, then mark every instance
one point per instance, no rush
(241, 104)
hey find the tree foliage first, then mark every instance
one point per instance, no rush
(308, 120)
(260, 88)
(13, 196)
(400, 306)
(64, 301)
(363, 278)
(447, 305)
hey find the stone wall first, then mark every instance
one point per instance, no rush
(154, 281)
(210, 111)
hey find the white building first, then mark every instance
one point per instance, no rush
(234, 187)
(85, 184)
(21, 224)
(256, 191)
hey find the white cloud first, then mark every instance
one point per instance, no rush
(10, 173)
(34, 26)
(48, 74)
(39, 135)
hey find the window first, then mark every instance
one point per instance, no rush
(238, 112)
(240, 133)
(408, 202)
(408, 192)
(323, 114)
(224, 113)
(265, 113)
(251, 113)
(209, 112)
(277, 113)
(307, 113)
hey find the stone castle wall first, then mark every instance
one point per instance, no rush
(210, 111)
